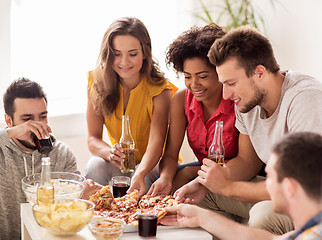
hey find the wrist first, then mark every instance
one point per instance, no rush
(228, 189)
(167, 177)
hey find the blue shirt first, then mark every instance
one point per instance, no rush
(311, 230)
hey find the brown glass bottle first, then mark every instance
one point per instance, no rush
(216, 151)
(127, 143)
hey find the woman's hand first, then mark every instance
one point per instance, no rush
(116, 156)
(161, 186)
(137, 183)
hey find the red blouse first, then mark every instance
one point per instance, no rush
(200, 134)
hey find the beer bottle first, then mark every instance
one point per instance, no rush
(216, 151)
(45, 190)
(127, 143)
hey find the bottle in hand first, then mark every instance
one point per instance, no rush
(216, 151)
(127, 143)
(43, 145)
(45, 190)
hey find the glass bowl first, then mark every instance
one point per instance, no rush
(64, 217)
(67, 185)
(106, 228)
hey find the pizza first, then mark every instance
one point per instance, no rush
(128, 207)
(102, 199)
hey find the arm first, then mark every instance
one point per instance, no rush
(169, 162)
(158, 131)
(232, 180)
(246, 164)
(95, 143)
(24, 131)
(223, 228)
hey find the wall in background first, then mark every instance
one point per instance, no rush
(292, 28)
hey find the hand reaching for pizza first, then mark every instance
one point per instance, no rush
(193, 192)
(183, 215)
(91, 187)
(137, 183)
(161, 186)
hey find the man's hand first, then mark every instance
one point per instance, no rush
(214, 177)
(91, 188)
(184, 215)
(193, 192)
(137, 183)
(24, 131)
(160, 187)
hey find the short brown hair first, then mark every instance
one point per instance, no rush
(248, 46)
(21, 88)
(300, 157)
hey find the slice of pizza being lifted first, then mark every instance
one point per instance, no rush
(103, 199)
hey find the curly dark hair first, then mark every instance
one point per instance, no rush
(195, 42)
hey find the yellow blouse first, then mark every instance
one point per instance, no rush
(139, 109)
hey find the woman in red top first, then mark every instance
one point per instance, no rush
(195, 109)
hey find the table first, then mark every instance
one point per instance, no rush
(30, 230)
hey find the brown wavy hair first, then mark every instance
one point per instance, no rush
(105, 90)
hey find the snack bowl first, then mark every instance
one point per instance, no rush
(64, 217)
(66, 184)
(106, 228)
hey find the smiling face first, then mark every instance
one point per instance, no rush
(201, 79)
(128, 57)
(275, 188)
(238, 87)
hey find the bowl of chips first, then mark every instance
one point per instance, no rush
(106, 228)
(66, 185)
(64, 217)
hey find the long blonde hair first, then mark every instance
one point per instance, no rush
(105, 89)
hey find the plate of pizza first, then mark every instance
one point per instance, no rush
(129, 206)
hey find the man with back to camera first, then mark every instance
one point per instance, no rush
(269, 104)
(25, 106)
(294, 185)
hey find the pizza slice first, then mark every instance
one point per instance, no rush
(103, 199)
(156, 204)
(127, 203)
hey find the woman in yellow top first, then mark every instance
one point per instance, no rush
(126, 81)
